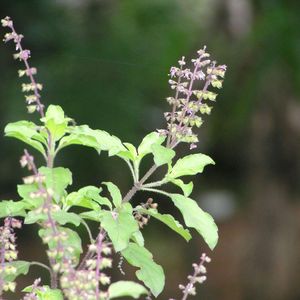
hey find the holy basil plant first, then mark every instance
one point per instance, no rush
(46, 197)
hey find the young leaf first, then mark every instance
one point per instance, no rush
(147, 142)
(56, 122)
(57, 179)
(12, 208)
(115, 193)
(126, 288)
(187, 188)
(21, 266)
(169, 221)
(81, 135)
(132, 150)
(149, 272)
(195, 217)
(120, 226)
(28, 133)
(162, 155)
(87, 197)
(190, 165)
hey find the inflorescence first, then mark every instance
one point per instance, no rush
(199, 276)
(33, 88)
(188, 102)
(8, 253)
(84, 282)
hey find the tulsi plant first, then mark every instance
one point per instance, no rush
(46, 198)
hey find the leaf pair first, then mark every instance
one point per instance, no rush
(56, 133)
(151, 143)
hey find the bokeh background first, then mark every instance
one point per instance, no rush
(106, 63)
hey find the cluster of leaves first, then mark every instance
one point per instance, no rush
(46, 200)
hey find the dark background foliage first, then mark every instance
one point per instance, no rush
(106, 63)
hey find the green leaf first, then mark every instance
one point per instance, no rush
(10, 208)
(138, 238)
(45, 293)
(80, 135)
(56, 122)
(169, 221)
(131, 149)
(62, 217)
(34, 217)
(73, 240)
(22, 267)
(115, 193)
(190, 165)
(147, 142)
(57, 179)
(97, 139)
(26, 132)
(195, 217)
(87, 197)
(92, 215)
(130, 153)
(126, 288)
(187, 188)
(77, 199)
(120, 226)
(109, 143)
(24, 191)
(50, 294)
(149, 272)
(162, 155)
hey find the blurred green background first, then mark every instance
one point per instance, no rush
(106, 63)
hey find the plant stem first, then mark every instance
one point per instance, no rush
(139, 184)
(87, 256)
(88, 230)
(47, 204)
(135, 179)
(188, 289)
(174, 109)
(41, 265)
(173, 140)
(136, 170)
(155, 191)
(50, 156)
(40, 107)
(155, 184)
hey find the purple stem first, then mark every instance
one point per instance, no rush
(174, 108)
(50, 219)
(29, 73)
(2, 261)
(50, 156)
(192, 280)
(98, 262)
